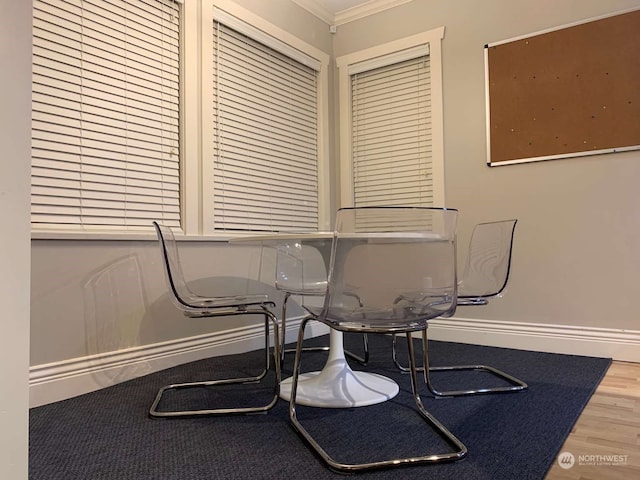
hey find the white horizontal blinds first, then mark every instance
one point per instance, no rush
(105, 114)
(265, 137)
(386, 220)
(391, 134)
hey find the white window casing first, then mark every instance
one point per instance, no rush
(391, 134)
(265, 164)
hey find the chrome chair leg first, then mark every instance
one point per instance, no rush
(394, 356)
(459, 450)
(363, 360)
(515, 384)
(323, 348)
(155, 413)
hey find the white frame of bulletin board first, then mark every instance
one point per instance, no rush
(564, 92)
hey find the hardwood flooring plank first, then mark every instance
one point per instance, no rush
(605, 441)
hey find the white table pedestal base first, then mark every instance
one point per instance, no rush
(338, 386)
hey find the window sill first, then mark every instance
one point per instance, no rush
(127, 236)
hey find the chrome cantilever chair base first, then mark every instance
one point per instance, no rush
(515, 385)
(155, 413)
(458, 449)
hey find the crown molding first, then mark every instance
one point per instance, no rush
(350, 14)
(364, 10)
(316, 9)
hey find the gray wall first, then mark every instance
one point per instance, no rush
(294, 19)
(576, 253)
(90, 298)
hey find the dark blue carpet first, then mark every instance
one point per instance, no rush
(108, 435)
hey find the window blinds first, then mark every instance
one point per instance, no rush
(265, 137)
(105, 121)
(391, 134)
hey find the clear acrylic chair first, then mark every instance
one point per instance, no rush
(301, 271)
(485, 275)
(488, 263)
(195, 306)
(392, 270)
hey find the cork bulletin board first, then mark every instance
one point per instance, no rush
(565, 92)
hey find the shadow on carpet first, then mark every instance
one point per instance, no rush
(108, 435)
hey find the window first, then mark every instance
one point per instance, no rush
(265, 133)
(209, 120)
(105, 125)
(265, 117)
(391, 142)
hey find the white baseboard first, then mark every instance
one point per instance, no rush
(69, 378)
(623, 345)
(57, 381)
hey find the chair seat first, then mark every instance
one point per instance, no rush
(372, 320)
(315, 288)
(197, 301)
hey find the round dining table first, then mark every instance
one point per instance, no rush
(337, 385)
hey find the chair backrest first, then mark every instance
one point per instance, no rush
(391, 267)
(300, 268)
(488, 263)
(179, 292)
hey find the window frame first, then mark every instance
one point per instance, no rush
(198, 212)
(381, 55)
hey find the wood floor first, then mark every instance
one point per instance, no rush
(605, 442)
